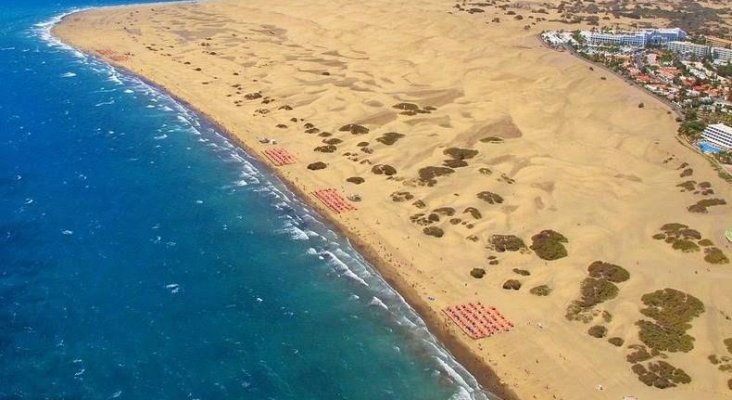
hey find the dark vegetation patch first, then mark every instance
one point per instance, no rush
(433, 231)
(492, 139)
(640, 353)
(473, 212)
(452, 163)
(401, 196)
(332, 141)
(355, 129)
(356, 180)
(317, 165)
(512, 284)
(597, 331)
(714, 255)
(671, 311)
(428, 174)
(686, 172)
(702, 205)
(477, 273)
(389, 138)
(383, 169)
(616, 341)
(548, 245)
(326, 149)
(541, 290)
(424, 219)
(485, 171)
(412, 109)
(460, 154)
(447, 211)
(502, 243)
(688, 240)
(419, 204)
(728, 343)
(661, 375)
(406, 106)
(490, 197)
(521, 272)
(611, 272)
(688, 186)
(253, 96)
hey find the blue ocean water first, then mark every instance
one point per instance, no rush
(142, 256)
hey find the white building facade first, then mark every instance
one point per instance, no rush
(699, 50)
(720, 135)
(638, 39)
(722, 54)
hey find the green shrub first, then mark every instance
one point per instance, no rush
(671, 307)
(659, 236)
(492, 139)
(355, 129)
(317, 165)
(595, 291)
(490, 197)
(460, 154)
(473, 212)
(639, 354)
(448, 211)
(389, 138)
(485, 171)
(326, 149)
(687, 186)
(428, 174)
(333, 141)
(597, 331)
(661, 375)
(728, 344)
(702, 205)
(433, 231)
(356, 180)
(406, 106)
(611, 272)
(477, 273)
(664, 339)
(616, 341)
(672, 311)
(541, 290)
(512, 284)
(705, 243)
(501, 243)
(398, 197)
(452, 163)
(687, 246)
(714, 255)
(548, 245)
(521, 272)
(383, 169)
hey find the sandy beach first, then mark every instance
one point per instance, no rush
(446, 129)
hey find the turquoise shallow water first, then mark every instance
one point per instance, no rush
(142, 256)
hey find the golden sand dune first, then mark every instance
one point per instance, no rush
(520, 138)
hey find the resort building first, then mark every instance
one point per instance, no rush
(719, 135)
(638, 39)
(722, 54)
(699, 50)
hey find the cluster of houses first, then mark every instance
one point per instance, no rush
(664, 63)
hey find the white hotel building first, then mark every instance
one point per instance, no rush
(722, 54)
(699, 50)
(720, 135)
(638, 39)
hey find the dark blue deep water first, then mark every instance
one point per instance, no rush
(144, 257)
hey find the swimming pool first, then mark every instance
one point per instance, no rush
(707, 147)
